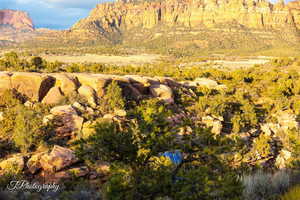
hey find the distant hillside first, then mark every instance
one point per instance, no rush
(171, 25)
(203, 23)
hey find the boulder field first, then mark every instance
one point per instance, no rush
(53, 88)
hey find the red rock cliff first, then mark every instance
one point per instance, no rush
(17, 19)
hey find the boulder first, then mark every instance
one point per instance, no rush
(145, 81)
(89, 94)
(33, 164)
(168, 81)
(141, 88)
(97, 82)
(29, 104)
(128, 91)
(48, 118)
(71, 124)
(214, 123)
(13, 165)
(66, 83)
(78, 106)
(62, 110)
(70, 173)
(33, 85)
(70, 121)
(58, 159)
(54, 96)
(163, 92)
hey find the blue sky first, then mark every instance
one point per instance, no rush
(54, 14)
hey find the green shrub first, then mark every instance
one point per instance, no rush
(28, 131)
(113, 98)
(261, 146)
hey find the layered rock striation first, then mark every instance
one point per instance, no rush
(252, 14)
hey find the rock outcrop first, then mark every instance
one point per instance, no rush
(16, 19)
(114, 19)
(53, 89)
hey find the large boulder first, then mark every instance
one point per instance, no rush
(66, 83)
(70, 173)
(33, 164)
(62, 110)
(145, 81)
(33, 85)
(97, 82)
(163, 92)
(54, 96)
(128, 91)
(58, 159)
(214, 123)
(71, 123)
(89, 94)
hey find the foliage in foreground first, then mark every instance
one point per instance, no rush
(138, 170)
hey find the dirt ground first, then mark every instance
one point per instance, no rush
(231, 64)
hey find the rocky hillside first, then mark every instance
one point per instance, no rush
(261, 18)
(94, 129)
(15, 26)
(16, 19)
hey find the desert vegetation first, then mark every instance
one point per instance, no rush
(165, 133)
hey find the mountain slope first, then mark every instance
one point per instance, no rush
(205, 23)
(17, 20)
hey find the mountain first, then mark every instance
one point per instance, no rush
(205, 23)
(164, 25)
(17, 20)
(15, 26)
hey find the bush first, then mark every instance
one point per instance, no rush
(27, 132)
(113, 99)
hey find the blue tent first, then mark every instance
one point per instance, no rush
(175, 156)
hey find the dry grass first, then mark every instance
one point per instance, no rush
(106, 59)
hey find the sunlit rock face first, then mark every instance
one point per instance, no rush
(16, 19)
(255, 14)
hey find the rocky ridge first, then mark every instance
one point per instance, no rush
(60, 163)
(112, 20)
(18, 20)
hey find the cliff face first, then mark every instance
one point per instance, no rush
(18, 20)
(259, 14)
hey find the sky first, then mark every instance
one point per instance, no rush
(54, 14)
